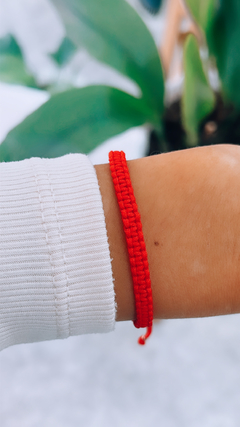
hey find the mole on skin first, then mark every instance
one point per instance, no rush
(156, 243)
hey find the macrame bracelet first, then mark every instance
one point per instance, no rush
(135, 242)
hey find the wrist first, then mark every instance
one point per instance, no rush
(190, 208)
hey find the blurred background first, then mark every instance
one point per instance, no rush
(39, 30)
(188, 373)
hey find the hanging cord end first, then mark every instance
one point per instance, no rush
(142, 339)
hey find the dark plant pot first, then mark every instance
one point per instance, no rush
(222, 126)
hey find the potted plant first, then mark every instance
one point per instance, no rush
(79, 119)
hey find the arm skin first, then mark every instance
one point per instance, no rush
(189, 202)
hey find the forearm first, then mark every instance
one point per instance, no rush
(56, 272)
(189, 203)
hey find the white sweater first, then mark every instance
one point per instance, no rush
(55, 267)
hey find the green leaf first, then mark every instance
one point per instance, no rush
(203, 12)
(64, 52)
(77, 120)
(12, 66)
(220, 19)
(224, 43)
(198, 99)
(115, 34)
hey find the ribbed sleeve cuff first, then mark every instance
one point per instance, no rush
(55, 267)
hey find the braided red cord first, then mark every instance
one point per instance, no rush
(135, 242)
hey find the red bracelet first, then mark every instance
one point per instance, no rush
(135, 242)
